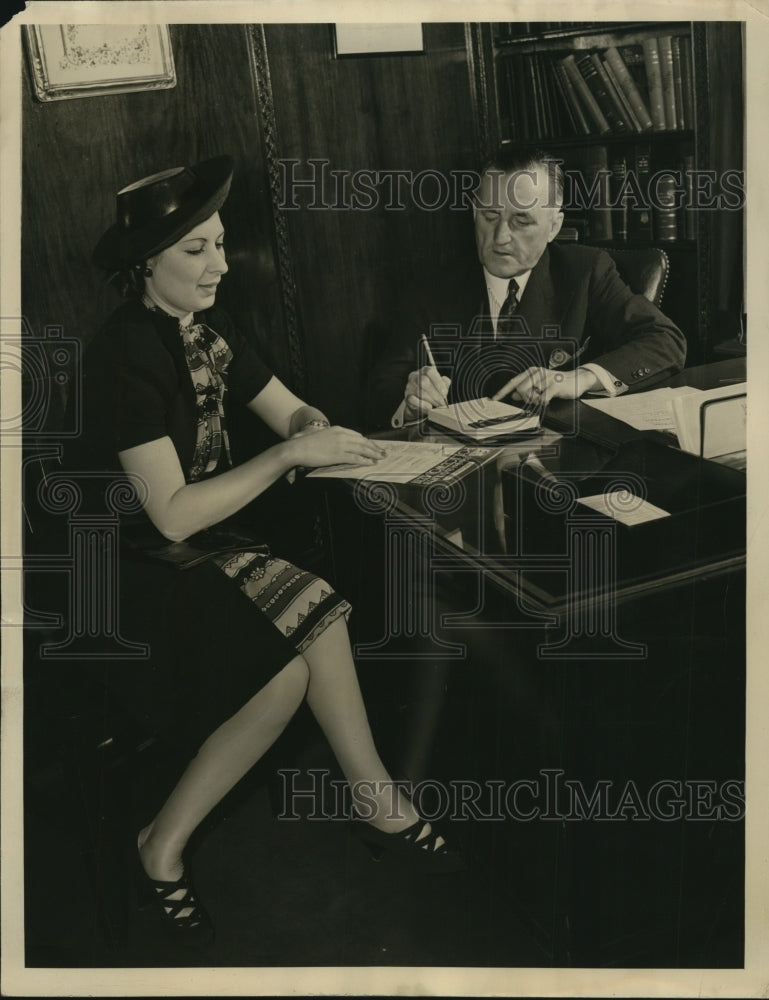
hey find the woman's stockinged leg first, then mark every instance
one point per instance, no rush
(334, 695)
(225, 757)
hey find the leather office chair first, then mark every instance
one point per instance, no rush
(645, 269)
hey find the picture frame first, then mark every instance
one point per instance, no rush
(92, 60)
(377, 39)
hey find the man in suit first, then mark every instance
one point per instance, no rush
(538, 320)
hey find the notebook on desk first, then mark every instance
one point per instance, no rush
(484, 418)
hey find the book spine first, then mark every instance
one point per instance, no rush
(678, 83)
(513, 123)
(668, 86)
(654, 76)
(586, 95)
(520, 102)
(687, 83)
(618, 93)
(560, 122)
(626, 82)
(664, 210)
(578, 223)
(565, 113)
(639, 211)
(572, 100)
(547, 107)
(634, 58)
(599, 210)
(618, 167)
(533, 85)
(590, 68)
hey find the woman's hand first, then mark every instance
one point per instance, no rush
(332, 446)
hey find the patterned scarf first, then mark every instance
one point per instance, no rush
(208, 358)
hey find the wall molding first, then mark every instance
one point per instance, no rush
(257, 47)
(480, 68)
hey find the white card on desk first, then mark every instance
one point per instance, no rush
(624, 507)
(483, 418)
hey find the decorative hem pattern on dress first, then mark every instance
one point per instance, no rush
(299, 604)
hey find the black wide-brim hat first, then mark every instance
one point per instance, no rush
(156, 211)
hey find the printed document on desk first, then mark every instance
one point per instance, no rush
(417, 463)
(646, 411)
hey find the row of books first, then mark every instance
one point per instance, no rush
(609, 204)
(634, 88)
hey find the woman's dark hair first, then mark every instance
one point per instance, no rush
(129, 281)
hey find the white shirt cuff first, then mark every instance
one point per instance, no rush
(610, 385)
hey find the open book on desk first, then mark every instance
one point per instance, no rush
(480, 419)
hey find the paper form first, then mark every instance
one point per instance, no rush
(413, 462)
(646, 411)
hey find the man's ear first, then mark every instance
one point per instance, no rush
(555, 226)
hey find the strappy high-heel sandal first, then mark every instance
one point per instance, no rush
(419, 847)
(194, 929)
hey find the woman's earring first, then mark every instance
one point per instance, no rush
(147, 271)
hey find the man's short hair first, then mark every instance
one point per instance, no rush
(510, 158)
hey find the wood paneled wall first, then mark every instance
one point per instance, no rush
(382, 112)
(78, 153)
(388, 112)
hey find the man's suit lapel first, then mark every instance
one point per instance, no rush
(477, 321)
(545, 306)
(539, 302)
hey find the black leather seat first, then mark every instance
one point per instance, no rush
(645, 269)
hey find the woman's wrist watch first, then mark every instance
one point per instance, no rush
(321, 424)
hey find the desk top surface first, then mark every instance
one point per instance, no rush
(519, 519)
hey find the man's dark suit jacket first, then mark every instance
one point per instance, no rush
(575, 309)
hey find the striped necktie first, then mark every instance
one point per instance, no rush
(508, 310)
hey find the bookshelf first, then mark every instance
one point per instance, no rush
(639, 113)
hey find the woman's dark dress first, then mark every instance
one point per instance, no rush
(211, 646)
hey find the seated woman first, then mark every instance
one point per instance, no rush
(155, 378)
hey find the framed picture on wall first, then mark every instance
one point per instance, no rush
(377, 39)
(89, 60)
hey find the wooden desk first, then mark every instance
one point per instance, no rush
(505, 523)
(568, 416)
(506, 665)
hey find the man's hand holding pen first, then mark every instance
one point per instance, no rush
(426, 388)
